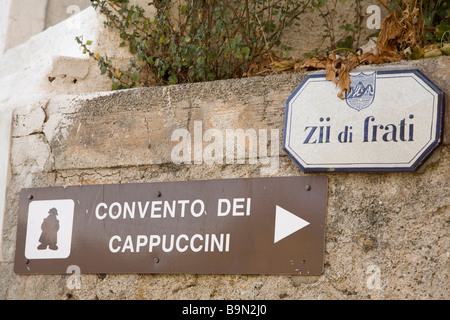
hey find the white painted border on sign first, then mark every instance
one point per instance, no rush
(5, 143)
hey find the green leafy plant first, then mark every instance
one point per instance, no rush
(433, 17)
(193, 40)
(328, 10)
(437, 20)
(403, 34)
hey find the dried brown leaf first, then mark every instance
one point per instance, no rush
(298, 67)
(331, 66)
(283, 65)
(331, 71)
(391, 31)
(344, 81)
(261, 65)
(368, 58)
(314, 63)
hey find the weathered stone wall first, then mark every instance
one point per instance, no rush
(386, 233)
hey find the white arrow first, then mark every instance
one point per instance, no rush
(286, 223)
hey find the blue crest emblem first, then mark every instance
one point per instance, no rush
(362, 91)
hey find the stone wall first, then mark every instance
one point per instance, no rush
(386, 233)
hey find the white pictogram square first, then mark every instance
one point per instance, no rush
(49, 229)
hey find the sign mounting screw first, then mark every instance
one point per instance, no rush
(156, 260)
(307, 187)
(30, 197)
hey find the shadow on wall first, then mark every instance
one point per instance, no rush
(26, 18)
(59, 10)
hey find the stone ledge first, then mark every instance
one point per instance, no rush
(134, 127)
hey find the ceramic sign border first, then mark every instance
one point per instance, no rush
(389, 121)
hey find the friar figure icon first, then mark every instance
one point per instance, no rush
(49, 235)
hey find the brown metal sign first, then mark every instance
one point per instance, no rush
(230, 226)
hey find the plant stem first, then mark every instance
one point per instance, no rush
(386, 7)
(346, 49)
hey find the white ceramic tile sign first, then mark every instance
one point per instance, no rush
(388, 121)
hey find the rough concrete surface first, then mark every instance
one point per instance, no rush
(386, 233)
